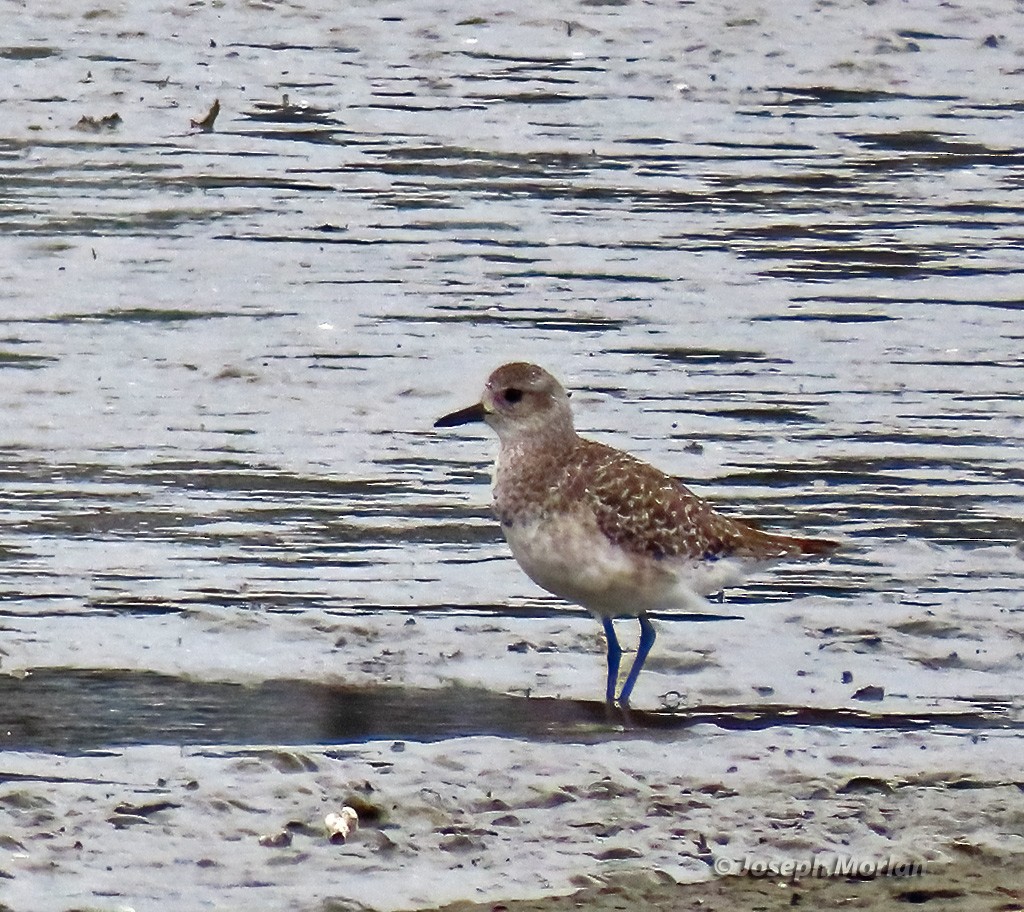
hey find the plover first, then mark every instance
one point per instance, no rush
(600, 528)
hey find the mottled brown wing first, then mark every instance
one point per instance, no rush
(645, 511)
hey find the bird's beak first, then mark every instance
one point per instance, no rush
(462, 416)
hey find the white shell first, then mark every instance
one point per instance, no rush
(340, 826)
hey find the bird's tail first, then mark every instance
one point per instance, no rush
(815, 546)
(789, 546)
(753, 542)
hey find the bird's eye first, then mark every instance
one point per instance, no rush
(513, 395)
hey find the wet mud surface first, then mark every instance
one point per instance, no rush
(774, 250)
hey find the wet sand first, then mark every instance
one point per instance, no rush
(975, 884)
(776, 251)
(493, 820)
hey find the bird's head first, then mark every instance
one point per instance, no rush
(519, 400)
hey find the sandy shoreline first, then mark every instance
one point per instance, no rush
(471, 823)
(971, 883)
(772, 248)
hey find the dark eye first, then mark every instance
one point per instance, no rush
(513, 395)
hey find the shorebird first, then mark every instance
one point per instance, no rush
(599, 527)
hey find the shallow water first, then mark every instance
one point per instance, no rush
(776, 251)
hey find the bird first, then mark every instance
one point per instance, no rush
(602, 529)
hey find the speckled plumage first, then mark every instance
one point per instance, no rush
(638, 507)
(599, 527)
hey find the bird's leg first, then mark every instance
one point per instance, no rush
(647, 637)
(614, 654)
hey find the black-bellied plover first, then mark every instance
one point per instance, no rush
(600, 528)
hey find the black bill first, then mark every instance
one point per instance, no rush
(462, 416)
